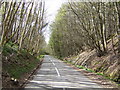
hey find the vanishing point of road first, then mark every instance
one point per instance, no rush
(55, 74)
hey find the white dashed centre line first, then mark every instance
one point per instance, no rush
(53, 63)
(57, 71)
(55, 68)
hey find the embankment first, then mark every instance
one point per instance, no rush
(107, 65)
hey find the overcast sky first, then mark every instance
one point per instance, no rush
(52, 6)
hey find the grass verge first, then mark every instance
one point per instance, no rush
(17, 64)
(90, 70)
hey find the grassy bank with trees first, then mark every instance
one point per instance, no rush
(21, 40)
(88, 34)
(17, 65)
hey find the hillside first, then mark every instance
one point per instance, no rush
(17, 65)
(106, 65)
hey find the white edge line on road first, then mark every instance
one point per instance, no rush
(57, 71)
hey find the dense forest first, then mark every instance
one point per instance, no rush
(81, 26)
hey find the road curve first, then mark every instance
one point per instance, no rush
(56, 74)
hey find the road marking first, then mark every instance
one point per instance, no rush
(55, 68)
(53, 63)
(57, 71)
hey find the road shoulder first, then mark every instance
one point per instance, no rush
(100, 80)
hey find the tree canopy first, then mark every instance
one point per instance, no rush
(23, 24)
(85, 25)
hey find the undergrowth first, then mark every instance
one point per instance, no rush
(17, 63)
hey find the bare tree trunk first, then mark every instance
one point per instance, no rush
(117, 5)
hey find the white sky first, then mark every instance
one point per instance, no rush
(51, 10)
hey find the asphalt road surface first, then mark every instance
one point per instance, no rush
(55, 74)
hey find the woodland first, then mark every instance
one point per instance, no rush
(91, 27)
(82, 26)
(87, 35)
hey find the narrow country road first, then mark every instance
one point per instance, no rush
(56, 74)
